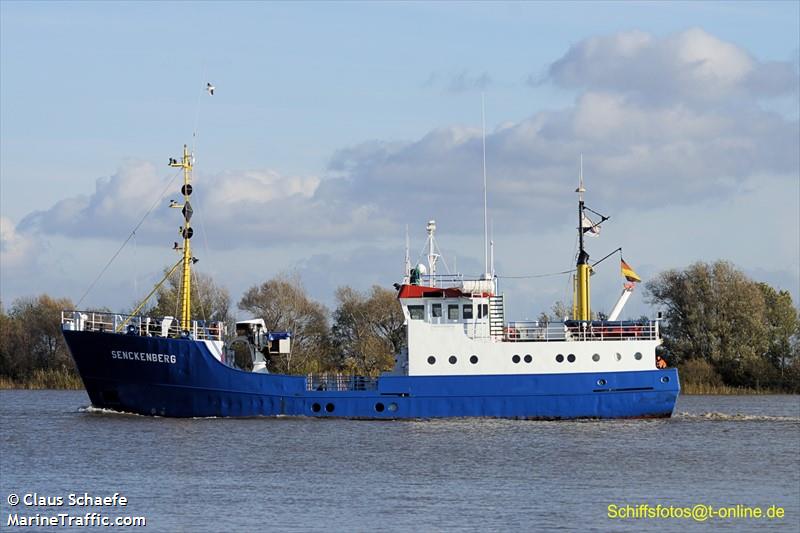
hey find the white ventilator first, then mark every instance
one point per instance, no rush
(623, 299)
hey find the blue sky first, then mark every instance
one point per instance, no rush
(336, 124)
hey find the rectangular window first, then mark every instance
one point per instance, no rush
(467, 311)
(483, 310)
(436, 310)
(452, 312)
(417, 312)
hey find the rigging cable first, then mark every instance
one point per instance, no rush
(132, 234)
(570, 271)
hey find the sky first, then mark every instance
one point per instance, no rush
(334, 126)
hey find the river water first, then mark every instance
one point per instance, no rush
(442, 475)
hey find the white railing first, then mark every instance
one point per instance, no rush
(140, 325)
(580, 331)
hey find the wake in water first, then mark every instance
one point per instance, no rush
(91, 409)
(735, 417)
(709, 416)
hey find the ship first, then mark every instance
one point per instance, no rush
(461, 359)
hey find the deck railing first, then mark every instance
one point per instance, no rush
(339, 382)
(139, 325)
(580, 331)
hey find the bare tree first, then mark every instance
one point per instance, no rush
(209, 301)
(283, 304)
(368, 329)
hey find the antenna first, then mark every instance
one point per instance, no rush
(432, 255)
(491, 254)
(407, 266)
(485, 209)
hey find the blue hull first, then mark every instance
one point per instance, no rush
(180, 378)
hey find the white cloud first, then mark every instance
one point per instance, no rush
(634, 153)
(257, 206)
(692, 66)
(16, 249)
(459, 81)
(260, 187)
(666, 125)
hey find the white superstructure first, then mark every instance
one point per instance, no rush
(451, 332)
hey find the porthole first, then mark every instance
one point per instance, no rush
(638, 356)
(571, 358)
(431, 360)
(619, 356)
(601, 382)
(473, 359)
(453, 359)
(379, 407)
(664, 379)
(560, 358)
(528, 358)
(316, 407)
(596, 357)
(393, 407)
(329, 407)
(515, 358)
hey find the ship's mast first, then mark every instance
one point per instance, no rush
(186, 232)
(581, 310)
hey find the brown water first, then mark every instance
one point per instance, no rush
(443, 475)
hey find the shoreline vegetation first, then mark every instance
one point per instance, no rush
(726, 333)
(44, 380)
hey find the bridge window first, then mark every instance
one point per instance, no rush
(467, 311)
(436, 310)
(452, 312)
(417, 312)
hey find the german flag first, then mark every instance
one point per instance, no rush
(628, 272)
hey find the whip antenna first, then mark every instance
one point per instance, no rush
(485, 209)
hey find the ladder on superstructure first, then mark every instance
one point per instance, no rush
(496, 317)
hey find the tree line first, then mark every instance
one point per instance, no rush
(723, 328)
(720, 327)
(361, 335)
